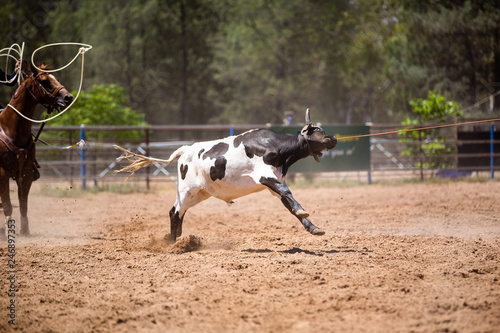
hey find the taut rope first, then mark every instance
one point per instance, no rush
(418, 129)
(433, 127)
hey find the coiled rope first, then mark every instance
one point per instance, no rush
(84, 48)
(17, 49)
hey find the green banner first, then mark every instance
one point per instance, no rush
(348, 155)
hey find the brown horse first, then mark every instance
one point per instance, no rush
(17, 148)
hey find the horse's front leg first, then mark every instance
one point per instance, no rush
(5, 197)
(23, 190)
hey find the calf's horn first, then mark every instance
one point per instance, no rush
(308, 116)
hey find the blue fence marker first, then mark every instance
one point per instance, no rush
(83, 171)
(231, 131)
(492, 151)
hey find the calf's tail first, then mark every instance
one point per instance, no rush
(140, 161)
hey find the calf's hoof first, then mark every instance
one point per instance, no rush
(302, 213)
(173, 238)
(317, 231)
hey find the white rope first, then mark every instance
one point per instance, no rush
(81, 144)
(82, 50)
(19, 50)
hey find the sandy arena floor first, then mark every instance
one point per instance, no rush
(395, 258)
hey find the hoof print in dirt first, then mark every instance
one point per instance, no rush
(183, 245)
(186, 244)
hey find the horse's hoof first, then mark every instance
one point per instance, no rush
(317, 232)
(302, 213)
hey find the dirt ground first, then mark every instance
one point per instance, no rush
(395, 258)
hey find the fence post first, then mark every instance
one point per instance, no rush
(83, 171)
(492, 150)
(146, 132)
(231, 131)
(70, 142)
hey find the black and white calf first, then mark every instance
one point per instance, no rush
(239, 165)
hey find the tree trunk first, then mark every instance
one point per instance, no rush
(496, 68)
(421, 155)
(184, 73)
(472, 72)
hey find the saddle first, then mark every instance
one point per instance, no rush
(21, 154)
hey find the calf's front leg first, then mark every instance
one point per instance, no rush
(311, 227)
(286, 196)
(290, 203)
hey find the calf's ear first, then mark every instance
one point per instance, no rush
(305, 129)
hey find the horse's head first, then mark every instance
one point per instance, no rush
(47, 90)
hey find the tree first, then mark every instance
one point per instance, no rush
(271, 57)
(211, 61)
(452, 48)
(428, 147)
(103, 105)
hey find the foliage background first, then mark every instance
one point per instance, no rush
(249, 61)
(427, 148)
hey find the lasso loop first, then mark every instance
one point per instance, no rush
(82, 50)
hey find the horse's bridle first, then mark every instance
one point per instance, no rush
(43, 92)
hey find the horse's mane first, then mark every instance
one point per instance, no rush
(43, 66)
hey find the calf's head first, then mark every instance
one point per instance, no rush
(316, 138)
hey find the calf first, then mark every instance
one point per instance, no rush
(239, 165)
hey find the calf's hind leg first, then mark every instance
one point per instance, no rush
(175, 224)
(185, 200)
